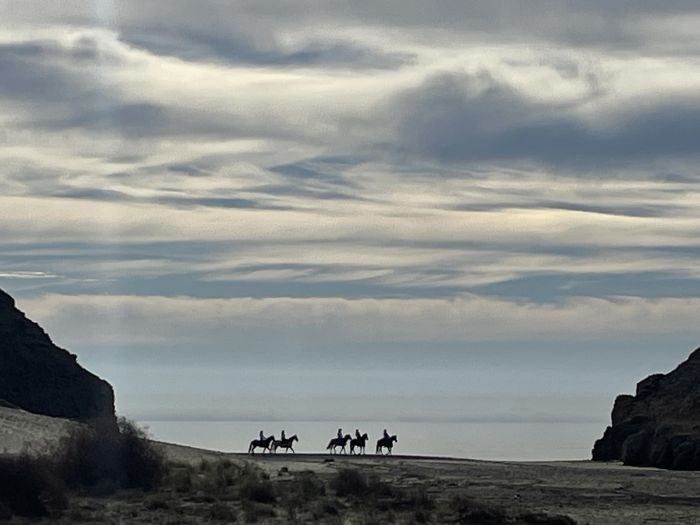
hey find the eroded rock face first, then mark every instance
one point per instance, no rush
(40, 377)
(660, 425)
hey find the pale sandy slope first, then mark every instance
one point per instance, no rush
(23, 431)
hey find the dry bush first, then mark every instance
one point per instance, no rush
(104, 458)
(29, 487)
(350, 482)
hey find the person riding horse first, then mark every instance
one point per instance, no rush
(386, 442)
(263, 443)
(286, 443)
(339, 441)
(358, 442)
(357, 433)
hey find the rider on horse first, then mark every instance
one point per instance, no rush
(262, 436)
(340, 433)
(357, 433)
(386, 434)
(284, 438)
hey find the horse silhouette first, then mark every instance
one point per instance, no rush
(261, 443)
(338, 442)
(387, 443)
(286, 444)
(359, 443)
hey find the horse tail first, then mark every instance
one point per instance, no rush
(251, 448)
(330, 444)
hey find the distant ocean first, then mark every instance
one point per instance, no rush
(490, 441)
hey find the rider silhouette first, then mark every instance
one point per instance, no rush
(386, 434)
(340, 433)
(357, 433)
(283, 436)
(262, 436)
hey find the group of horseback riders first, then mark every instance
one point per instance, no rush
(271, 444)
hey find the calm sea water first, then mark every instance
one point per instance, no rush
(494, 441)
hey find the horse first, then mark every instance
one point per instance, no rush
(263, 444)
(338, 442)
(286, 444)
(359, 443)
(387, 443)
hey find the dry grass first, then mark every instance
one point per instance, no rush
(225, 491)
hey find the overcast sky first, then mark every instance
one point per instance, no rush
(458, 210)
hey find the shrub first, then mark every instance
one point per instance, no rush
(253, 511)
(328, 506)
(221, 512)
(539, 518)
(111, 458)
(255, 485)
(471, 511)
(217, 477)
(180, 478)
(307, 487)
(413, 499)
(349, 482)
(29, 487)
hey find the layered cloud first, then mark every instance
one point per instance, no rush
(147, 319)
(350, 173)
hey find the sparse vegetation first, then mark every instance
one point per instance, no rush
(134, 485)
(470, 511)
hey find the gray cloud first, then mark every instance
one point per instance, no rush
(233, 49)
(58, 86)
(460, 118)
(32, 72)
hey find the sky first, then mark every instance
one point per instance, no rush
(426, 211)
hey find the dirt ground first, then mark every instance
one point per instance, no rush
(591, 493)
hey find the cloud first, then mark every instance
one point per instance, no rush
(132, 320)
(369, 150)
(197, 47)
(462, 118)
(25, 275)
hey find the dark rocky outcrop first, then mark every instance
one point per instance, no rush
(40, 377)
(660, 425)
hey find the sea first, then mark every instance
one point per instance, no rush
(500, 441)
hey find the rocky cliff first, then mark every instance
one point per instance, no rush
(660, 425)
(40, 377)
